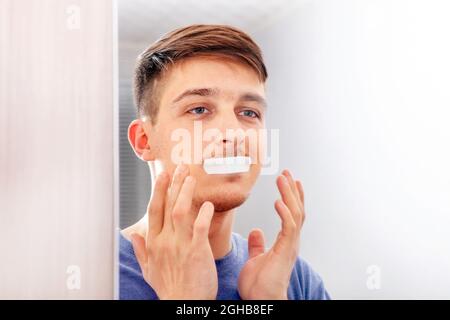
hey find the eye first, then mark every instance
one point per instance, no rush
(198, 110)
(249, 113)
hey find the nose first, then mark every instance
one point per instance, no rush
(227, 120)
(232, 138)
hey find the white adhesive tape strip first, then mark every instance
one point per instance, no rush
(226, 165)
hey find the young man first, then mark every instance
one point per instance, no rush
(184, 247)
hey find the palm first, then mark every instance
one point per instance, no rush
(266, 275)
(260, 276)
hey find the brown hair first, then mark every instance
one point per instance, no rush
(193, 40)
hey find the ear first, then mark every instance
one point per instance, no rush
(139, 140)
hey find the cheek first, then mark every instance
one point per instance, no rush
(163, 145)
(175, 144)
(255, 171)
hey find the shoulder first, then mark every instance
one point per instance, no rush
(127, 259)
(306, 284)
(131, 282)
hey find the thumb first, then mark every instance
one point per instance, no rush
(140, 251)
(255, 243)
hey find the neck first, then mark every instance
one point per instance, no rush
(220, 233)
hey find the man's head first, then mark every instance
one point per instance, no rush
(207, 75)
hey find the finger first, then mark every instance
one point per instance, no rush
(290, 179)
(140, 250)
(203, 222)
(180, 173)
(287, 236)
(255, 243)
(287, 194)
(181, 213)
(287, 222)
(300, 191)
(155, 209)
(299, 187)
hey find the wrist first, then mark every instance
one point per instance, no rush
(183, 296)
(278, 296)
(268, 296)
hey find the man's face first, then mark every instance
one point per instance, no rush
(233, 103)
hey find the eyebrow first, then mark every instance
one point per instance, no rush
(253, 97)
(210, 92)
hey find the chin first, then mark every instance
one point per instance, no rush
(223, 199)
(222, 205)
(225, 192)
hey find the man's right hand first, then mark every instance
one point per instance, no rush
(175, 256)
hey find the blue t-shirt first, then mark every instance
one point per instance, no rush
(305, 284)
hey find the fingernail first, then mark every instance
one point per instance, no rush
(189, 179)
(179, 169)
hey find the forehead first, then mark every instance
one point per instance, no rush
(229, 75)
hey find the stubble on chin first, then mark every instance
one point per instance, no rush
(222, 202)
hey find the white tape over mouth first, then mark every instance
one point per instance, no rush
(227, 165)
